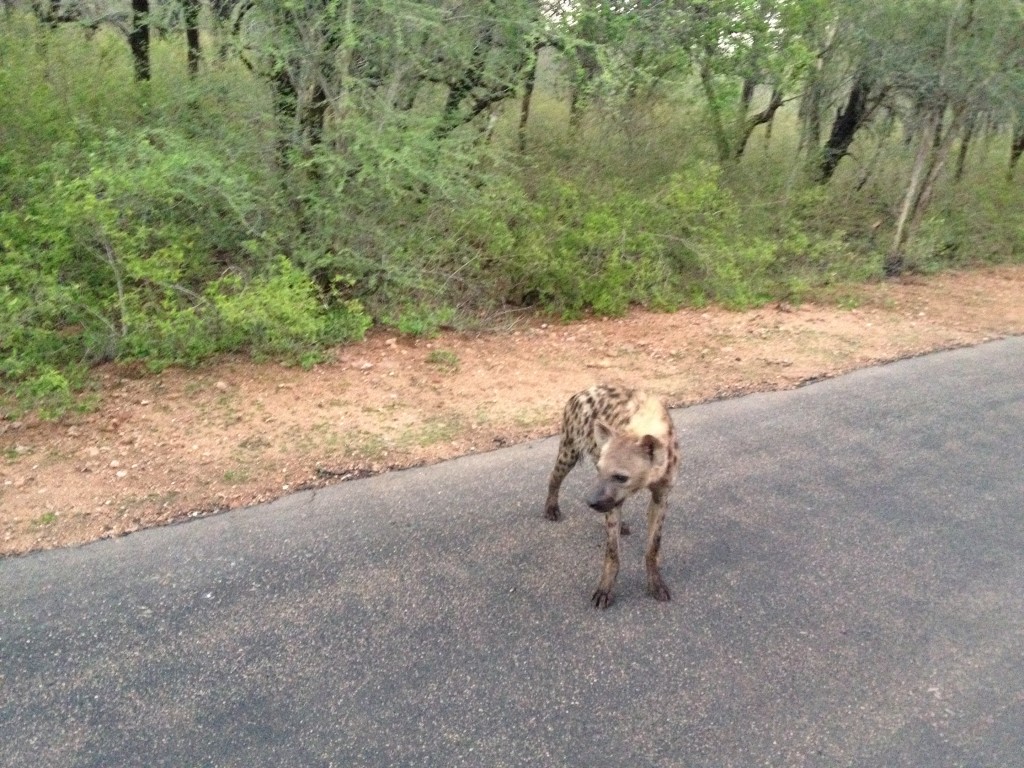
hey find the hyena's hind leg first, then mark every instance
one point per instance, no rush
(568, 456)
(575, 417)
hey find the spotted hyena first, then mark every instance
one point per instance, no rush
(631, 439)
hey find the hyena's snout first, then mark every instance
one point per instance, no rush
(602, 498)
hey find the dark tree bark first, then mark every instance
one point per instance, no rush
(314, 116)
(191, 10)
(1016, 147)
(965, 145)
(844, 128)
(766, 115)
(462, 87)
(286, 108)
(707, 82)
(470, 94)
(300, 104)
(747, 94)
(811, 134)
(588, 69)
(138, 39)
(47, 11)
(53, 12)
(524, 109)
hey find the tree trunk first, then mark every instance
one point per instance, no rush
(810, 108)
(844, 128)
(1016, 147)
(715, 114)
(932, 151)
(138, 39)
(965, 145)
(462, 87)
(810, 111)
(750, 123)
(191, 10)
(587, 70)
(227, 17)
(286, 108)
(314, 116)
(473, 85)
(895, 260)
(937, 161)
(524, 109)
(868, 168)
(47, 11)
(747, 94)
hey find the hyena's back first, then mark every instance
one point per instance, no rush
(613, 405)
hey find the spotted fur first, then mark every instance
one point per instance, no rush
(632, 441)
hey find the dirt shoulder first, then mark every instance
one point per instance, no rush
(182, 444)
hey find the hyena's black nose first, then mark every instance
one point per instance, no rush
(599, 501)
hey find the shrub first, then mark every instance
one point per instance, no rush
(118, 256)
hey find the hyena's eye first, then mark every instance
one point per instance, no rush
(618, 477)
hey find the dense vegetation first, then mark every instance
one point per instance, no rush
(181, 179)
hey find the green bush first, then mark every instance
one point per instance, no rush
(173, 220)
(681, 242)
(118, 256)
(278, 314)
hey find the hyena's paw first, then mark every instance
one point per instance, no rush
(658, 589)
(601, 598)
(552, 512)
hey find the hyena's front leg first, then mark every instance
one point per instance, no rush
(655, 520)
(602, 596)
(568, 455)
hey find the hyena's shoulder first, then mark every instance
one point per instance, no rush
(651, 417)
(620, 408)
(629, 410)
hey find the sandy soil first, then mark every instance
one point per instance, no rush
(182, 444)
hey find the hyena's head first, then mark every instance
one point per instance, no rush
(626, 464)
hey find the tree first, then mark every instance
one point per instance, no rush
(865, 97)
(1016, 146)
(340, 61)
(191, 9)
(939, 68)
(740, 48)
(138, 39)
(966, 64)
(852, 78)
(486, 62)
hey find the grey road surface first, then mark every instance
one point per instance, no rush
(846, 562)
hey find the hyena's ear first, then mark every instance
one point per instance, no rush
(602, 433)
(654, 450)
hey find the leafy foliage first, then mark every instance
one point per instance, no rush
(426, 165)
(121, 259)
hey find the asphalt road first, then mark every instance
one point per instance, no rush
(846, 562)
